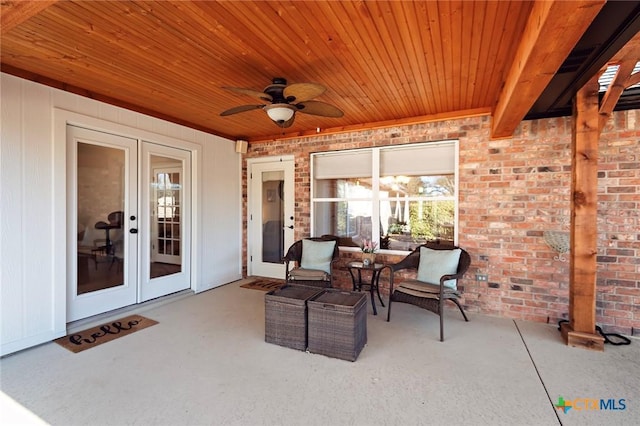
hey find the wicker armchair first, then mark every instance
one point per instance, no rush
(313, 268)
(430, 289)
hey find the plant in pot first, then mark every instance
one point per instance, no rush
(369, 249)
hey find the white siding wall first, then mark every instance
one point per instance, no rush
(33, 204)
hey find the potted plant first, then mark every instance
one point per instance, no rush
(369, 249)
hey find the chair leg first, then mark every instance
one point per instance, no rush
(389, 309)
(441, 315)
(460, 307)
(379, 297)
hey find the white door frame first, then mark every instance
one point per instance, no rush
(151, 288)
(84, 305)
(66, 119)
(285, 163)
(63, 235)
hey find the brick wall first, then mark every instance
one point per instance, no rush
(511, 191)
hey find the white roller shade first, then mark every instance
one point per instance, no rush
(347, 164)
(418, 160)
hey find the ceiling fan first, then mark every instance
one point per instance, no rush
(284, 100)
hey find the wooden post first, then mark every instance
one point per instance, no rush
(581, 329)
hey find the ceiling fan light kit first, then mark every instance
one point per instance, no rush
(285, 100)
(279, 112)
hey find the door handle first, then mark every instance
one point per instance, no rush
(290, 226)
(133, 231)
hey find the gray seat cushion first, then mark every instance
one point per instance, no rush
(422, 289)
(303, 274)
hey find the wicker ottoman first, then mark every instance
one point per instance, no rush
(285, 312)
(338, 324)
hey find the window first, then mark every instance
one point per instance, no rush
(400, 196)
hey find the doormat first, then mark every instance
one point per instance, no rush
(95, 336)
(264, 285)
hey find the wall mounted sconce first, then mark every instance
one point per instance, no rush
(558, 241)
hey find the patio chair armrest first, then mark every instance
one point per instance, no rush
(288, 258)
(409, 262)
(332, 264)
(451, 276)
(390, 268)
(445, 278)
(287, 268)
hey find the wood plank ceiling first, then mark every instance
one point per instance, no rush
(383, 62)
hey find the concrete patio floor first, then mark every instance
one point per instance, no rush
(206, 363)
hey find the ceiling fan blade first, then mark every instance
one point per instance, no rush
(250, 92)
(301, 92)
(319, 108)
(241, 108)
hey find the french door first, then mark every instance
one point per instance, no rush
(271, 216)
(165, 218)
(102, 209)
(128, 221)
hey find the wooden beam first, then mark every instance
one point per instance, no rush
(629, 50)
(552, 30)
(621, 81)
(634, 79)
(581, 329)
(614, 91)
(581, 340)
(14, 13)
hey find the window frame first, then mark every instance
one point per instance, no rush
(375, 188)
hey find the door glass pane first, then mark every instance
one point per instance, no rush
(166, 200)
(272, 216)
(100, 245)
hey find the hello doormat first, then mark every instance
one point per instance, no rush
(264, 285)
(104, 333)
